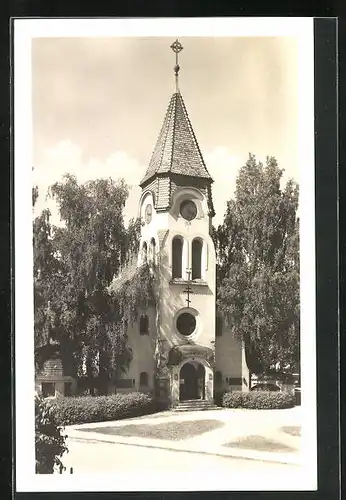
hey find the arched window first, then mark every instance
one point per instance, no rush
(196, 259)
(143, 379)
(153, 250)
(218, 379)
(144, 325)
(145, 252)
(177, 258)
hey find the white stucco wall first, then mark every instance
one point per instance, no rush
(172, 298)
(229, 355)
(230, 360)
(143, 349)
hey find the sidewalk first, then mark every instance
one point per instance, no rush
(240, 429)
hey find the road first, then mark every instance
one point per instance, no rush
(90, 457)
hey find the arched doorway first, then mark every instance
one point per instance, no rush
(192, 381)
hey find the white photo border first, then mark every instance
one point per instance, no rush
(24, 31)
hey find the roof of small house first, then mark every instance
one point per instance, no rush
(53, 361)
(53, 368)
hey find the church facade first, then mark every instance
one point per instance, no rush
(181, 350)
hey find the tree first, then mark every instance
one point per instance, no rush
(47, 278)
(134, 293)
(258, 265)
(74, 265)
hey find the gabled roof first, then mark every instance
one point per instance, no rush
(162, 235)
(177, 150)
(125, 275)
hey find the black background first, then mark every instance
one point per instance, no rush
(327, 256)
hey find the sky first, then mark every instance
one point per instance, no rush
(98, 105)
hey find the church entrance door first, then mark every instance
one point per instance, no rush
(192, 377)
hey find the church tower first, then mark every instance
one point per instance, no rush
(176, 207)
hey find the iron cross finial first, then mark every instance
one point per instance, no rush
(176, 47)
(188, 289)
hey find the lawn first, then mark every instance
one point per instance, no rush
(174, 431)
(259, 443)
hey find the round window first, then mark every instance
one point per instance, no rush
(186, 324)
(188, 210)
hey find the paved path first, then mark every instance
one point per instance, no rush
(237, 424)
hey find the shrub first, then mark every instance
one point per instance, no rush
(261, 400)
(49, 440)
(85, 409)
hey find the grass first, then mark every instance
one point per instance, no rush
(259, 443)
(175, 431)
(292, 430)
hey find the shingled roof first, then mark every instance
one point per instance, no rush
(176, 150)
(125, 275)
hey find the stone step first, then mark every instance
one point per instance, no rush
(195, 404)
(195, 401)
(196, 408)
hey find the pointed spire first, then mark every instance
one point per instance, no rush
(176, 159)
(176, 47)
(177, 150)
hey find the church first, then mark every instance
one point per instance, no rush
(198, 356)
(181, 351)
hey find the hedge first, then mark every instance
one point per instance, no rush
(261, 400)
(86, 409)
